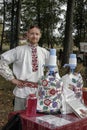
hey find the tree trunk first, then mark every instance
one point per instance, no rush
(68, 40)
(17, 30)
(15, 23)
(3, 24)
(12, 27)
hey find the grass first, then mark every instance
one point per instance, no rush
(6, 98)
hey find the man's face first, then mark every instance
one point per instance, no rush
(34, 35)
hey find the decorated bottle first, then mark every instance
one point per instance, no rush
(52, 61)
(72, 62)
(50, 88)
(31, 105)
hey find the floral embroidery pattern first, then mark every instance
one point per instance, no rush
(47, 102)
(44, 82)
(50, 89)
(5, 71)
(76, 85)
(34, 58)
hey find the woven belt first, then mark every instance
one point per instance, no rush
(30, 84)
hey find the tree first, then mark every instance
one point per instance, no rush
(68, 39)
(80, 21)
(44, 13)
(15, 23)
(11, 21)
(3, 24)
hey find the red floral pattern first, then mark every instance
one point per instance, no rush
(34, 58)
(52, 91)
(47, 102)
(44, 82)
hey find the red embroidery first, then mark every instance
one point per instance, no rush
(34, 58)
(47, 102)
(44, 82)
(52, 91)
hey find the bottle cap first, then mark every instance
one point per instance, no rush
(32, 95)
(53, 52)
(73, 61)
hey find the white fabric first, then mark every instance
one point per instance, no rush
(71, 81)
(49, 93)
(21, 57)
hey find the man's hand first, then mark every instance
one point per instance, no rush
(17, 82)
(21, 83)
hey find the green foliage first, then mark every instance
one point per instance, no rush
(80, 21)
(44, 13)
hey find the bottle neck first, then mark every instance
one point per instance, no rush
(51, 73)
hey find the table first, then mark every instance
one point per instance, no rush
(85, 95)
(32, 123)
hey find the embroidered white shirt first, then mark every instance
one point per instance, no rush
(21, 57)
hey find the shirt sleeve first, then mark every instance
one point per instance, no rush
(6, 59)
(5, 71)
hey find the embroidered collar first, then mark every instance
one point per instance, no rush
(32, 46)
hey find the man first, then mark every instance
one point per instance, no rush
(28, 65)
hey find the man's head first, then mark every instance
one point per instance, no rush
(34, 34)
